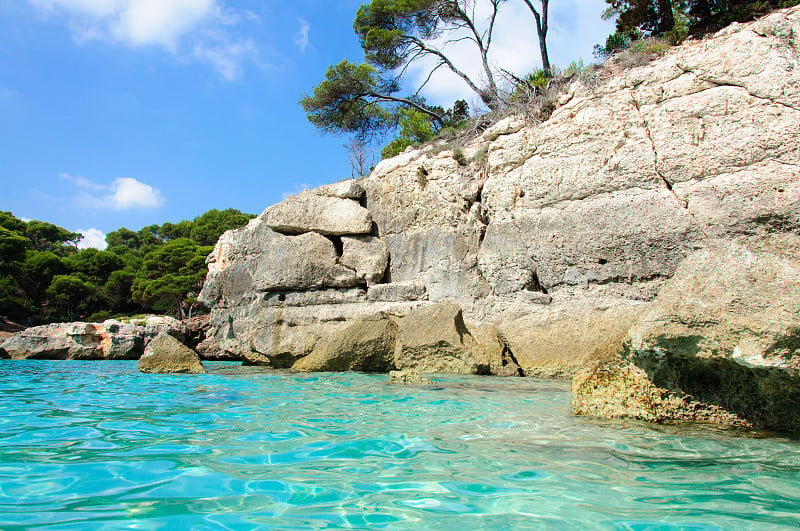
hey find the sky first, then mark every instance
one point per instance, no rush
(126, 113)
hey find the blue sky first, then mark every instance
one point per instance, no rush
(131, 112)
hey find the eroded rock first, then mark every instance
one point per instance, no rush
(407, 377)
(721, 342)
(347, 189)
(367, 256)
(366, 345)
(111, 339)
(310, 212)
(166, 355)
(434, 338)
(560, 341)
(397, 291)
(307, 261)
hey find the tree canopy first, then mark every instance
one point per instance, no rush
(655, 18)
(395, 33)
(362, 99)
(44, 277)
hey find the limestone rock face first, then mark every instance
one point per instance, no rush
(111, 339)
(435, 339)
(347, 189)
(559, 342)
(493, 351)
(366, 345)
(166, 355)
(367, 256)
(233, 263)
(308, 211)
(558, 235)
(397, 291)
(302, 262)
(722, 335)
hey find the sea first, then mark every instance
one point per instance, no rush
(98, 445)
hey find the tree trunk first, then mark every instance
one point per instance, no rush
(666, 22)
(541, 31)
(701, 9)
(545, 58)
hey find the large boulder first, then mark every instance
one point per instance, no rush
(366, 345)
(367, 256)
(559, 341)
(434, 338)
(165, 354)
(346, 189)
(308, 211)
(308, 261)
(721, 340)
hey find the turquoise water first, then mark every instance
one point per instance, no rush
(96, 445)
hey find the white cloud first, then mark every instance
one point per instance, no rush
(301, 37)
(124, 193)
(159, 21)
(178, 26)
(575, 27)
(81, 182)
(127, 193)
(226, 58)
(94, 238)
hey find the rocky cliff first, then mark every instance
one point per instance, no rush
(551, 237)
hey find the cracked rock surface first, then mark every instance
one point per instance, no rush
(558, 235)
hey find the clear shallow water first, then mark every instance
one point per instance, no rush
(96, 445)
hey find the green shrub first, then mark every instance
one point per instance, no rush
(395, 147)
(575, 68)
(99, 317)
(538, 78)
(481, 156)
(458, 154)
(650, 46)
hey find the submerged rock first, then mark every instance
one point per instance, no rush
(407, 377)
(167, 355)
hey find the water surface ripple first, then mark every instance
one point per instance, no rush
(96, 445)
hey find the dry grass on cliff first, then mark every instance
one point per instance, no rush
(536, 102)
